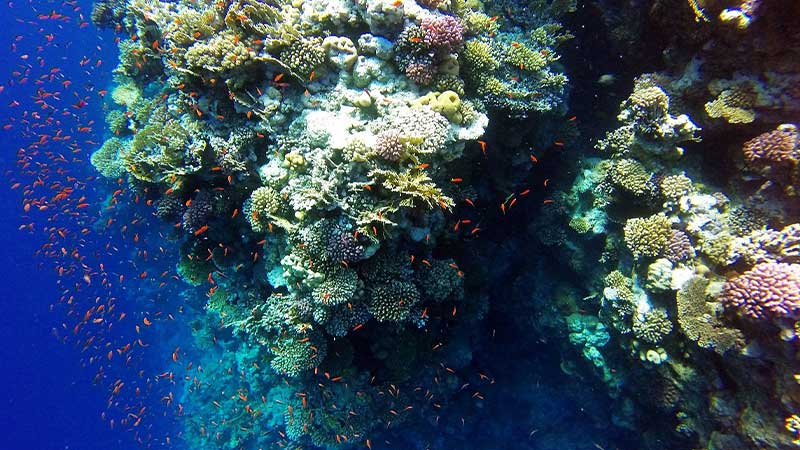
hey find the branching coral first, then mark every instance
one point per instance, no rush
(652, 326)
(413, 188)
(767, 291)
(647, 237)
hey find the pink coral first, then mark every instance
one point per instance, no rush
(778, 146)
(421, 72)
(768, 290)
(444, 33)
(679, 247)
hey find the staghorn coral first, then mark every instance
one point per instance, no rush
(767, 291)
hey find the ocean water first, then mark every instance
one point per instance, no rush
(400, 225)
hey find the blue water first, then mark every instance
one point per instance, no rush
(48, 400)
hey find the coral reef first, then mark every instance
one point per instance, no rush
(361, 241)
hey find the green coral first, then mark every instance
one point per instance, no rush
(479, 23)
(340, 287)
(440, 281)
(523, 57)
(646, 106)
(445, 103)
(589, 334)
(648, 236)
(126, 94)
(659, 275)
(165, 147)
(513, 71)
(221, 53)
(719, 248)
(580, 225)
(734, 105)
(109, 158)
(478, 59)
(117, 122)
(295, 354)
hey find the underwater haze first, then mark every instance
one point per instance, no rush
(400, 224)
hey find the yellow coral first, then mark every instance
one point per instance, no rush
(733, 105)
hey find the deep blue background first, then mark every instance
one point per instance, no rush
(47, 399)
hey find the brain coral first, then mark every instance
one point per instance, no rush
(768, 290)
(648, 236)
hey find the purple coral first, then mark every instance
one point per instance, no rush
(198, 212)
(774, 147)
(679, 247)
(443, 33)
(342, 246)
(421, 72)
(768, 290)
